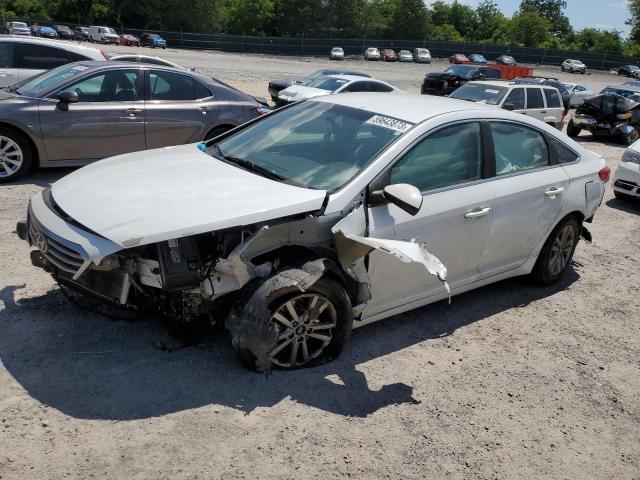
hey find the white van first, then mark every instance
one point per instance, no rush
(538, 101)
(103, 35)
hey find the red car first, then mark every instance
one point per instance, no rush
(129, 40)
(388, 55)
(458, 58)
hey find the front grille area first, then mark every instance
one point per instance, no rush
(62, 255)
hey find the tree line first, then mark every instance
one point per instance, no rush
(537, 23)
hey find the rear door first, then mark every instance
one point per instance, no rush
(108, 120)
(179, 109)
(8, 73)
(535, 103)
(554, 109)
(530, 192)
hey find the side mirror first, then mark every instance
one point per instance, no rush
(65, 98)
(509, 106)
(404, 196)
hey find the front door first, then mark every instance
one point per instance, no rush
(530, 193)
(176, 112)
(108, 119)
(454, 221)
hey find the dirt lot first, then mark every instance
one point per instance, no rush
(509, 381)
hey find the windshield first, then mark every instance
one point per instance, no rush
(108, 30)
(329, 84)
(336, 50)
(19, 25)
(314, 144)
(36, 86)
(461, 71)
(480, 93)
(630, 94)
(421, 51)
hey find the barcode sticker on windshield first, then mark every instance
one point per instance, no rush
(488, 90)
(390, 123)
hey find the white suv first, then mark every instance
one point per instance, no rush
(573, 66)
(538, 101)
(24, 57)
(626, 181)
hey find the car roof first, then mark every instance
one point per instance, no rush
(73, 47)
(633, 88)
(502, 83)
(350, 78)
(403, 106)
(340, 71)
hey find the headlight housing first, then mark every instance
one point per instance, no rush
(631, 156)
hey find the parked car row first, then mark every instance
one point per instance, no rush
(94, 34)
(419, 55)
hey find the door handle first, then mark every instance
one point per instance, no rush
(203, 110)
(477, 212)
(132, 112)
(552, 192)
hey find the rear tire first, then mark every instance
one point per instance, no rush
(572, 130)
(631, 138)
(15, 155)
(557, 252)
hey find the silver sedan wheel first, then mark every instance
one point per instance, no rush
(561, 250)
(10, 157)
(305, 326)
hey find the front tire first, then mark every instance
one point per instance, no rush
(631, 138)
(311, 327)
(15, 155)
(557, 252)
(572, 130)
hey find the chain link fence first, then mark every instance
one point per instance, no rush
(309, 46)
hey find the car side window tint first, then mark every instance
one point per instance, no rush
(516, 98)
(6, 54)
(39, 57)
(553, 98)
(490, 72)
(518, 148)
(563, 153)
(76, 57)
(357, 87)
(113, 86)
(379, 87)
(534, 98)
(170, 86)
(200, 91)
(449, 156)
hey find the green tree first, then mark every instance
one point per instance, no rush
(553, 12)
(440, 13)
(463, 18)
(528, 28)
(446, 33)
(599, 41)
(491, 23)
(634, 20)
(409, 20)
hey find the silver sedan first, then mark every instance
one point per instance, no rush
(578, 93)
(86, 111)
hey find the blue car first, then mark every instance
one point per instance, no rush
(477, 58)
(152, 40)
(46, 32)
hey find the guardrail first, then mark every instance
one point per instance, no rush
(310, 46)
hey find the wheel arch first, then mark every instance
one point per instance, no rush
(35, 151)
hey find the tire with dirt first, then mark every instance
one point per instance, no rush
(631, 138)
(15, 155)
(557, 252)
(305, 328)
(573, 130)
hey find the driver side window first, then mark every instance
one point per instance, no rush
(518, 148)
(113, 86)
(447, 157)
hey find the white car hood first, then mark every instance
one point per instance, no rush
(302, 92)
(155, 195)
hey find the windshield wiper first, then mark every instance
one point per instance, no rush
(247, 165)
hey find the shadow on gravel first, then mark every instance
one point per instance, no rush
(628, 206)
(87, 366)
(43, 177)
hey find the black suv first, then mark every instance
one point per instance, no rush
(444, 83)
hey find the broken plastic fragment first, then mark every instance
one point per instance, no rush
(202, 147)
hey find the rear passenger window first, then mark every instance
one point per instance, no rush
(76, 57)
(449, 156)
(378, 87)
(6, 55)
(39, 57)
(357, 87)
(534, 98)
(516, 98)
(553, 98)
(201, 91)
(563, 153)
(170, 86)
(518, 148)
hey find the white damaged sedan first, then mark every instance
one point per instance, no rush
(321, 217)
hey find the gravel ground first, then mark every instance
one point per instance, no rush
(509, 381)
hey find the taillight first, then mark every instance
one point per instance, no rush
(605, 174)
(106, 57)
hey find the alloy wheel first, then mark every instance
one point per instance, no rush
(11, 157)
(561, 250)
(305, 326)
